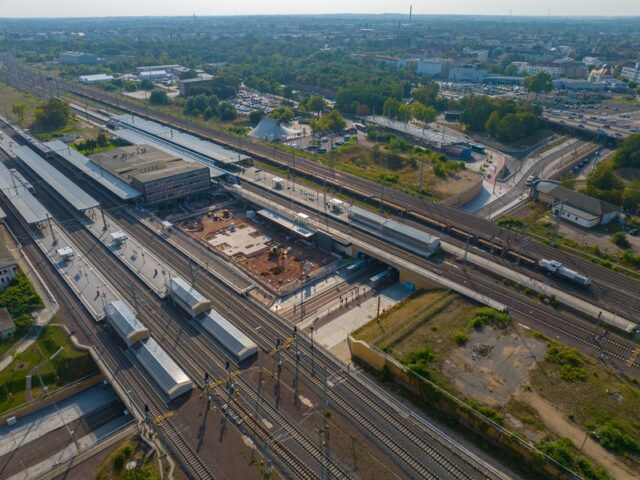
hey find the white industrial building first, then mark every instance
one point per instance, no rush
(573, 206)
(153, 75)
(467, 74)
(97, 78)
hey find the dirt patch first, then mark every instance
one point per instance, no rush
(491, 366)
(555, 420)
(458, 183)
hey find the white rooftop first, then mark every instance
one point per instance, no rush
(228, 335)
(78, 198)
(190, 142)
(167, 374)
(125, 323)
(26, 204)
(185, 292)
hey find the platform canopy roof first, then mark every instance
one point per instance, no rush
(78, 198)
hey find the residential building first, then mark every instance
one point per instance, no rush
(161, 178)
(187, 84)
(573, 206)
(8, 266)
(7, 327)
(435, 67)
(467, 74)
(631, 73)
(532, 68)
(570, 68)
(599, 74)
(78, 58)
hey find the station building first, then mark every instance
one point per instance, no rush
(160, 178)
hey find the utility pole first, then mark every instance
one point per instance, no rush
(191, 273)
(104, 220)
(54, 240)
(466, 251)
(313, 370)
(295, 339)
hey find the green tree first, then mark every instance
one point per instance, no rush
(316, 104)
(631, 196)
(227, 111)
(628, 154)
(255, 116)
(18, 110)
(102, 140)
(332, 122)
(54, 114)
(391, 108)
(282, 114)
(511, 70)
(158, 97)
(423, 112)
(538, 83)
(492, 123)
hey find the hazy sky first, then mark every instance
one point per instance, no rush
(99, 8)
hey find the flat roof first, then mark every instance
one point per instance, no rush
(283, 221)
(143, 163)
(195, 144)
(78, 198)
(228, 335)
(26, 204)
(161, 367)
(104, 177)
(136, 137)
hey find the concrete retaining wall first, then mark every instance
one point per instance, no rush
(466, 196)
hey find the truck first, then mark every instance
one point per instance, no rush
(556, 268)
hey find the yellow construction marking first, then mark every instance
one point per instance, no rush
(287, 344)
(634, 356)
(162, 417)
(217, 383)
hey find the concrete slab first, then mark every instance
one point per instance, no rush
(246, 241)
(336, 331)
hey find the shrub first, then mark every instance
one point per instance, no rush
(489, 316)
(614, 436)
(620, 240)
(460, 338)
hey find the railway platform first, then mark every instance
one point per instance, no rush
(145, 264)
(90, 286)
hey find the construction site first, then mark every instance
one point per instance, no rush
(274, 257)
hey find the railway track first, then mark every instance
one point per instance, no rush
(524, 309)
(132, 381)
(192, 351)
(425, 215)
(374, 407)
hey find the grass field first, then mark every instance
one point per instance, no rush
(67, 366)
(9, 96)
(113, 467)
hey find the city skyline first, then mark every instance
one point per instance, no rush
(68, 8)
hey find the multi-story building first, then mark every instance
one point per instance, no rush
(631, 73)
(467, 74)
(8, 266)
(435, 67)
(187, 84)
(532, 68)
(78, 58)
(160, 177)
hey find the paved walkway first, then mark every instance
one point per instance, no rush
(51, 418)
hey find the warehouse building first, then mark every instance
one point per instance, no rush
(573, 206)
(161, 178)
